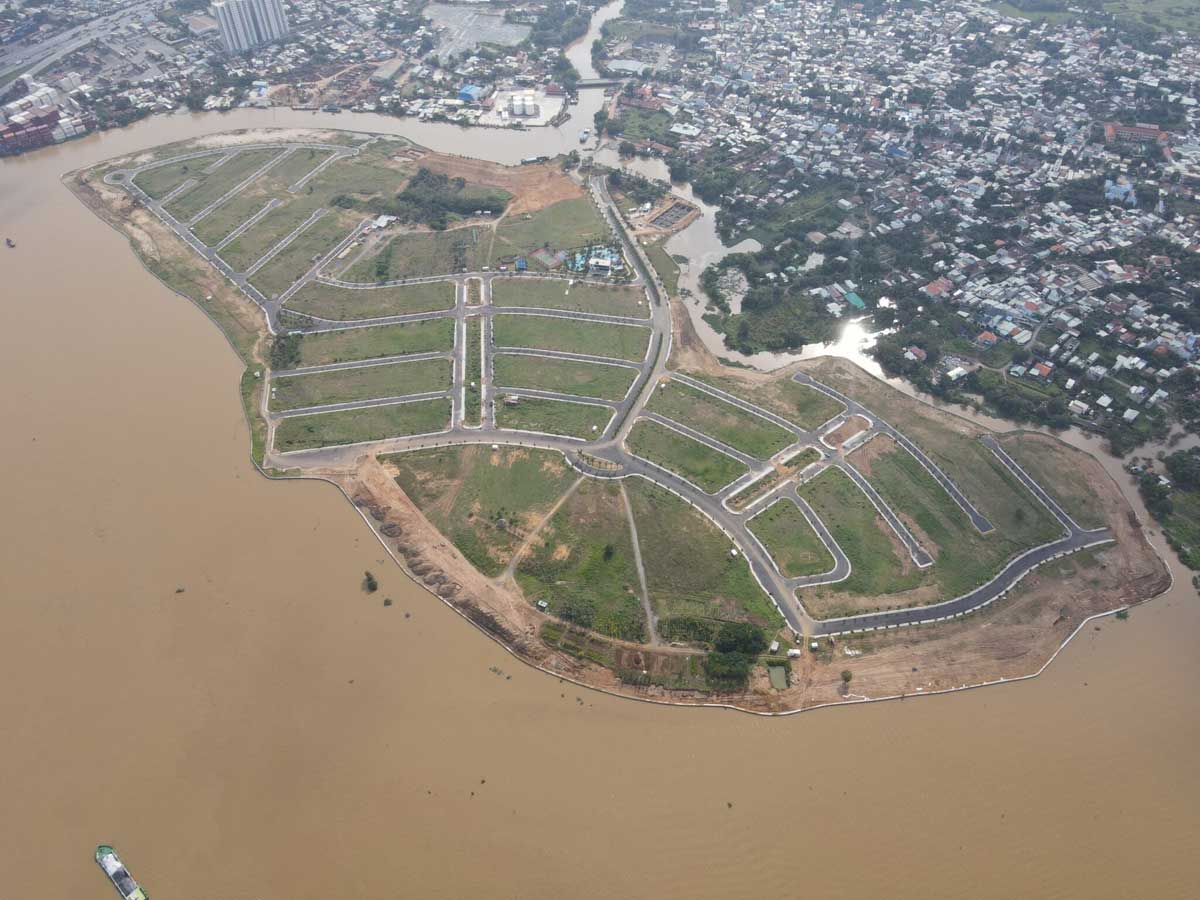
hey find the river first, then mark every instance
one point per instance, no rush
(193, 674)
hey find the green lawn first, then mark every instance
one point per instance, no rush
(222, 180)
(790, 540)
(720, 420)
(356, 426)
(1051, 464)
(689, 569)
(474, 372)
(422, 253)
(614, 300)
(350, 344)
(572, 336)
(603, 382)
(298, 257)
(553, 417)
(564, 225)
(798, 403)
(366, 383)
(328, 301)
(485, 502)
(699, 464)
(582, 564)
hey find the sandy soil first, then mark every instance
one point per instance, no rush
(845, 431)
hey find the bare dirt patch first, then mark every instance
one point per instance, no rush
(845, 431)
(533, 187)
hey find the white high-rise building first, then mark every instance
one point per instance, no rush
(248, 23)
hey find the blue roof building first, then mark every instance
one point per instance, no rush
(470, 93)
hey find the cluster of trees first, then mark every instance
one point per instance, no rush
(429, 198)
(737, 645)
(285, 351)
(637, 188)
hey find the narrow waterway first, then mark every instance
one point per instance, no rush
(194, 675)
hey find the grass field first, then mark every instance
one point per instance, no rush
(664, 264)
(719, 420)
(355, 426)
(582, 564)
(553, 417)
(161, 181)
(1052, 465)
(485, 502)
(473, 393)
(350, 344)
(615, 300)
(365, 383)
(689, 569)
(563, 225)
(799, 404)
(418, 254)
(790, 540)
(298, 257)
(863, 536)
(251, 245)
(571, 336)
(213, 186)
(603, 382)
(328, 301)
(706, 468)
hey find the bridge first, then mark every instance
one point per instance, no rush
(585, 83)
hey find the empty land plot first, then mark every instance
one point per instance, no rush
(561, 226)
(486, 502)
(581, 420)
(565, 335)
(964, 558)
(597, 380)
(879, 562)
(582, 564)
(222, 180)
(723, 421)
(778, 473)
(328, 301)
(1055, 466)
(798, 403)
(160, 181)
(709, 469)
(365, 383)
(614, 300)
(689, 568)
(294, 260)
(790, 540)
(352, 344)
(473, 356)
(355, 426)
(252, 244)
(419, 254)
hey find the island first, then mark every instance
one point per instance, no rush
(488, 362)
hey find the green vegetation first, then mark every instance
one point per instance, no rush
(723, 421)
(161, 181)
(1050, 464)
(485, 502)
(803, 406)
(627, 342)
(561, 226)
(582, 564)
(790, 540)
(614, 300)
(689, 568)
(708, 469)
(327, 301)
(369, 382)
(603, 382)
(419, 254)
(473, 389)
(664, 264)
(735, 649)
(553, 417)
(1177, 506)
(358, 425)
(352, 344)
(220, 181)
(862, 534)
(294, 260)
(433, 199)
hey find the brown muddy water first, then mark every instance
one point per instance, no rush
(272, 733)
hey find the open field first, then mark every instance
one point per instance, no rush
(561, 226)
(582, 564)
(789, 400)
(1053, 465)
(486, 502)
(571, 336)
(581, 420)
(689, 570)
(161, 181)
(358, 425)
(364, 383)
(879, 561)
(779, 471)
(664, 264)
(603, 382)
(215, 185)
(790, 540)
(726, 423)
(615, 300)
(351, 344)
(328, 301)
(473, 370)
(298, 257)
(418, 254)
(252, 245)
(708, 469)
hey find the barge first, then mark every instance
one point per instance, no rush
(107, 859)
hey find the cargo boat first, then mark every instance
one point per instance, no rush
(107, 859)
